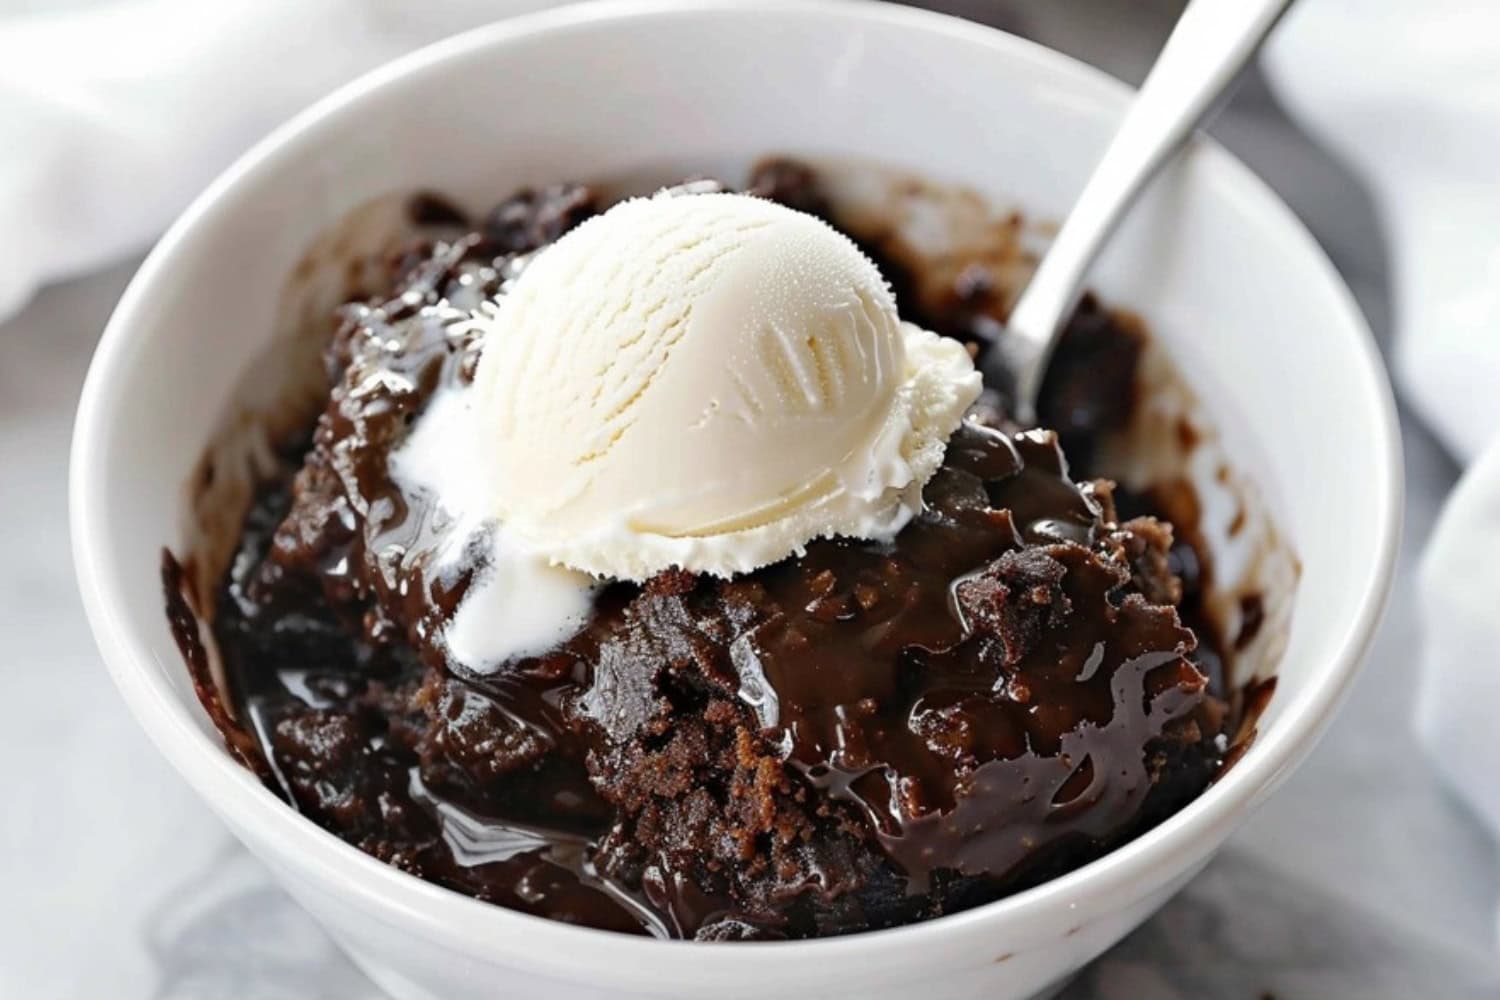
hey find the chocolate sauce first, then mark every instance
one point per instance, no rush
(862, 736)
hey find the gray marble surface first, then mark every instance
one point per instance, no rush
(1359, 879)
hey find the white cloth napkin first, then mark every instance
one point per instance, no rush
(1409, 95)
(115, 114)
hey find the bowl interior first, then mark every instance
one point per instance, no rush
(1231, 285)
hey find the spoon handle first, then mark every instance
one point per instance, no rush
(1209, 46)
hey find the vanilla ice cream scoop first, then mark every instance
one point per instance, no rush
(707, 381)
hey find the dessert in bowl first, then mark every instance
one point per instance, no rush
(644, 569)
(717, 749)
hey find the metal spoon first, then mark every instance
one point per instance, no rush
(1212, 42)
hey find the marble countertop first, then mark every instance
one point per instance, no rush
(1361, 878)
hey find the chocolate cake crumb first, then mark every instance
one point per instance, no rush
(531, 218)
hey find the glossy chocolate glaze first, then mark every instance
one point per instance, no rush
(863, 736)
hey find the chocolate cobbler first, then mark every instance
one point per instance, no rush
(865, 735)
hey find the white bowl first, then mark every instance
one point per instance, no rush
(1236, 290)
